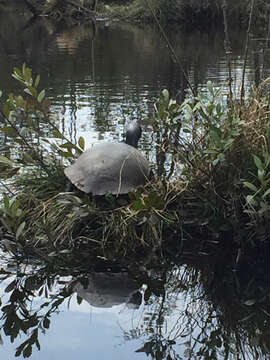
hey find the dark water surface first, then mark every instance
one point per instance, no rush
(94, 84)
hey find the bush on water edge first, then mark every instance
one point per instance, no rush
(186, 13)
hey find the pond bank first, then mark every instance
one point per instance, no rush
(184, 13)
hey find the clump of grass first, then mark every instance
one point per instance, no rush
(59, 221)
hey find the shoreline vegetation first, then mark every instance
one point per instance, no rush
(184, 13)
(214, 193)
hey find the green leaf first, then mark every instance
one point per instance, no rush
(33, 91)
(188, 131)
(10, 287)
(165, 94)
(68, 145)
(266, 193)
(9, 131)
(138, 205)
(17, 71)
(261, 174)
(14, 207)
(46, 323)
(41, 96)
(6, 161)
(23, 69)
(66, 154)
(210, 86)
(37, 80)
(20, 229)
(250, 302)
(27, 91)
(250, 186)
(17, 77)
(37, 344)
(57, 134)
(27, 158)
(211, 151)
(250, 200)
(215, 161)
(6, 110)
(27, 352)
(79, 299)
(258, 162)
(81, 143)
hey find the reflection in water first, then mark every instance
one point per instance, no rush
(184, 314)
(107, 289)
(94, 86)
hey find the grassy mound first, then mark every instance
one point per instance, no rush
(211, 182)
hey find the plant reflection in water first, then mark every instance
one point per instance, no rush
(198, 311)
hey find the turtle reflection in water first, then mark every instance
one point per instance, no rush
(117, 168)
(107, 289)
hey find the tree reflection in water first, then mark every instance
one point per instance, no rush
(198, 311)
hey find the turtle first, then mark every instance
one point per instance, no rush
(115, 168)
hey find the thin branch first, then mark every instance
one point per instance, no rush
(246, 51)
(173, 53)
(227, 46)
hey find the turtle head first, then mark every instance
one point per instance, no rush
(133, 133)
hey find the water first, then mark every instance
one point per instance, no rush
(94, 84)
(172, 312)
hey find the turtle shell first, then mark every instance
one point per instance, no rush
(117, 168)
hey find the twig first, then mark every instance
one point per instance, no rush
(38, 158)
(173, 53)
(227, 45)
(246, 51)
